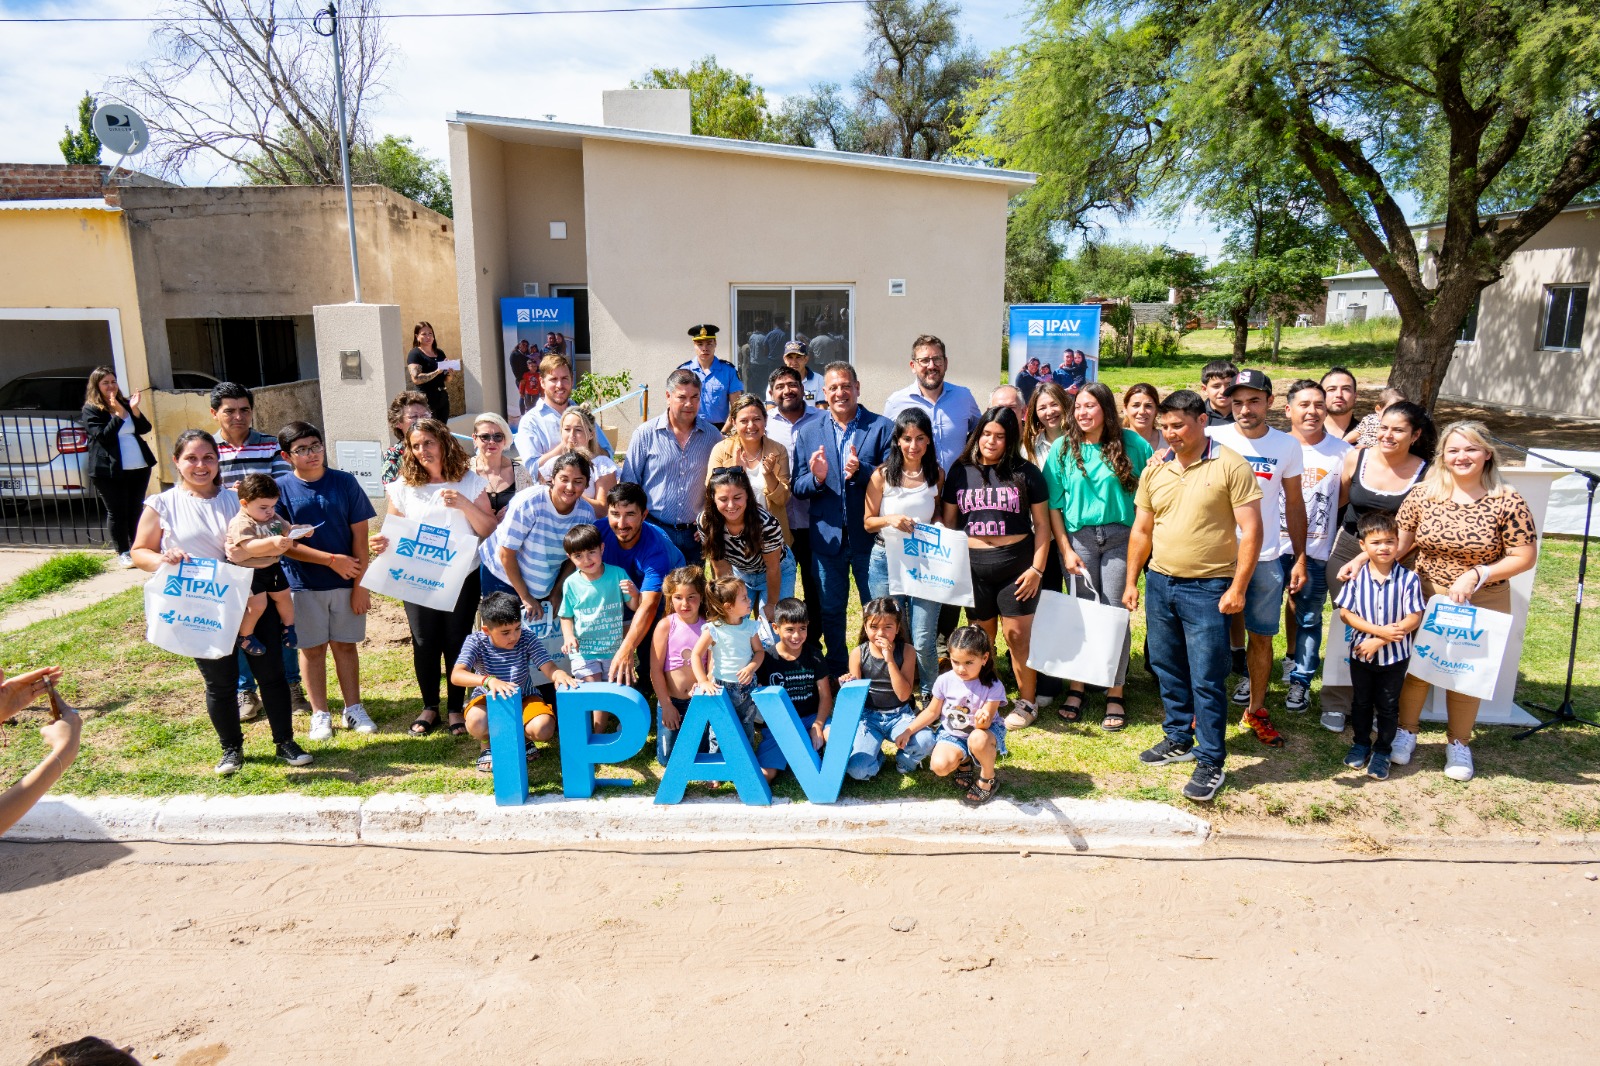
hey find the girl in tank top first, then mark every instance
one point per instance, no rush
(887, 662)
(672, 650)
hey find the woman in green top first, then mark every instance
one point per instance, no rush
(1092, 474)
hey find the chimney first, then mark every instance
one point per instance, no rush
(655, 110)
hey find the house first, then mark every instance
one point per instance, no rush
(1532, 342)
(1357, 296)
(651, 229)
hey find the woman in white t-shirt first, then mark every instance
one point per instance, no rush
(190, 521)
(437, 483)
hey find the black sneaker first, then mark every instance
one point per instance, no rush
(232, 762)
(1203, 783)
(293, 754)
(1168, 750)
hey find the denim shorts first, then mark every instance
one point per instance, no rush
(997, 730)
(1263, 600)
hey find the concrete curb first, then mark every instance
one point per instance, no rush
(394, 818)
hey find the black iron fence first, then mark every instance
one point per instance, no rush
(46, 496)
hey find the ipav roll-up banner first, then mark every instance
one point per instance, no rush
(530, 329)
(1065, 338)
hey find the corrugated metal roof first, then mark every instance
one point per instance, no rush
(572, 135)
(94, 204)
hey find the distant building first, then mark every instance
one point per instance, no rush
(1356, 297)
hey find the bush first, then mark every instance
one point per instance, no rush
(1156, 341)
(597, 390)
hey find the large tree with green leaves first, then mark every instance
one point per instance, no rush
(82, 145)
(1478, 104)
(722, 102)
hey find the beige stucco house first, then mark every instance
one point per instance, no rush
(652, 230)
(1534, 341)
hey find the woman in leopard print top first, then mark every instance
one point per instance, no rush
(1472, 533)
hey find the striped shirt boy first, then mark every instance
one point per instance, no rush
(533, 528)
(482, 655)
(1382, 601)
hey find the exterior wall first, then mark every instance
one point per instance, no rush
(548, 184)
(1368, 291)
(52, 345)
(483, 268)
(1505, 365)
(670, 230)
(171, 413)
(258, 251)
(67, 181)
(74, 258)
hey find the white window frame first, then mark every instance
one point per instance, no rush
(1549, 305)
(735, 288)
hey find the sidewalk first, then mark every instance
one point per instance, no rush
(15, 561)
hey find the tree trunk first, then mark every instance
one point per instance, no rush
(1241, 334)
(1277, 336)
(1421, 358)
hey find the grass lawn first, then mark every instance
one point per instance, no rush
(1367, 349)
(148, 735)
(52, 575)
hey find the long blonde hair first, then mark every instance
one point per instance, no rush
(1438, 483)
(592, 449)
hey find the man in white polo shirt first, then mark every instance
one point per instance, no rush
(1322, 455)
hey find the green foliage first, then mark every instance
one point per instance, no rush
(1141, 272)
(52, 576)
(1031, 255)
(1156, 341)
(597, 390)
(392, 162)
(82, 145)
(722, 103)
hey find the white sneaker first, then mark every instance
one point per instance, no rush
(321, 726)
(1288, 668)
(357, 718)
(1241, 692)
(125, 561)
(1457, 761)
(249, 705)
(1333, 722)
(1404, 746)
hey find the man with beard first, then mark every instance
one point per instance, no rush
(1339, 388)
(792, 411)
(950, 407)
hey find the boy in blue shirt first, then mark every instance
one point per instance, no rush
(495, 661)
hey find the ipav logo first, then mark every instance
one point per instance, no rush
(198, 577)
(431, 544)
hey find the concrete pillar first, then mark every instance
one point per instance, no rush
(355, 401)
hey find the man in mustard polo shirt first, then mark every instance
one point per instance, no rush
(1199, 527)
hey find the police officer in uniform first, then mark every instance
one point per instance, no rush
(719, 380)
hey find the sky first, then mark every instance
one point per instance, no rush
(528, 66)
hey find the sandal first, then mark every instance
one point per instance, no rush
(458, 729)
(423, 726)
(978, 794)
(485, 762)
(1117, 720)
(1023, 714)
(966, 775)
(1071, 712)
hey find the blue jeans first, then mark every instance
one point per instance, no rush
(1307, 606)
(488, 583)
(1190, 656)
(291, 670)
(683, 540)
(755, 581)
(878, 728)
(922, 619)
(833, 580)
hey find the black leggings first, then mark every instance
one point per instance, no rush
(222, 686)
(123, 495)
(437, 636)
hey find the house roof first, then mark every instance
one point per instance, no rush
(1587, 205)
(572, 135)
(1363, 275)
(87, 204)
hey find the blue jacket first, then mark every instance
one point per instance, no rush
(837, 505)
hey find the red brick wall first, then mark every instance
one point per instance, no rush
(64, 181)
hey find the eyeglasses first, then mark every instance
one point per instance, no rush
(935, 361)
(306, 452)
(491, 438)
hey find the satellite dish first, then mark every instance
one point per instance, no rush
(121, 129)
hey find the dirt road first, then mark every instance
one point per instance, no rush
(277, 954)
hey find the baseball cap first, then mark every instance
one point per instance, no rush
(1250, 379)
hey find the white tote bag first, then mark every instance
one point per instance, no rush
(1336, 652)
(424, 564)
(1459, 647)
(194, 609)
(1081, 640)
(930, 563)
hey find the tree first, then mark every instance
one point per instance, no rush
(82, 145)
(1480, 100)
(721, 102)
(822, 118)
(393, 162)
(250, 84)
(1123, 269)
(1031, 255)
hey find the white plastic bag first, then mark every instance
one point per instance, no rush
(930, 563)
(1336, 652)
(1081, 640)
(1459, 647)
(424, 564)
(194, 609)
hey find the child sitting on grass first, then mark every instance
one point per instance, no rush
(256, 540)
(729, 651)
(672, 650)
(966, 703)
(1383, 603)
(592, 619)
(799, 672)
(495, 661)
(886, 659)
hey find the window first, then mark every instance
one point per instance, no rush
(1339, 305)
(1563, 316)
(1469, 325)
(765, 318)
(579, 294)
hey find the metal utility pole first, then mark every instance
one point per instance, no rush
(331, 12)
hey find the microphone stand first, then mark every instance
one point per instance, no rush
(1565, 713)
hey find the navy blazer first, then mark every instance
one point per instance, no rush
(837, 503)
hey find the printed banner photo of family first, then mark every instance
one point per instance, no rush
(930, 563)
(1046, 331)
(532, 327)
(1459, 647)
(424, 564)
(195, 608)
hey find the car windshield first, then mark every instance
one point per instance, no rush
(42, 394)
